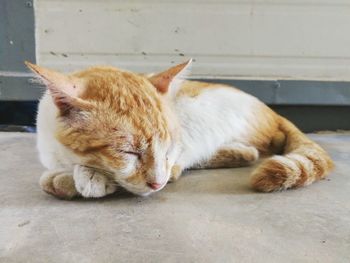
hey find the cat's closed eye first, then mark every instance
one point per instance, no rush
(137, 154)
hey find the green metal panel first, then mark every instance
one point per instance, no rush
(17, 43)
(17, 38)
(316, 118)
(19, 88)
(294, 92)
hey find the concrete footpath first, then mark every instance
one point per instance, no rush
(207, 216)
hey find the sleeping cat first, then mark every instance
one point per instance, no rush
(103, 127)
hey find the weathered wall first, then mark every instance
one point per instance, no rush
(298, 39)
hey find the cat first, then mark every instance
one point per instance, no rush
(104, 127)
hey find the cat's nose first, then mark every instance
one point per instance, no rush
(154, 186)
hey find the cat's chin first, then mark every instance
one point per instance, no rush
(143, 193)
(141, 189)
(137, 191)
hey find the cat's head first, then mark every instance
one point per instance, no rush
(118, 121)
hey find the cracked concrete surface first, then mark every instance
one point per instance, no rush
(207, 216)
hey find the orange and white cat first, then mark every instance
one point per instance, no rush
(104, 127)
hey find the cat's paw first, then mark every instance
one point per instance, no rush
(59, 183)
(176, 172)
(91, 183)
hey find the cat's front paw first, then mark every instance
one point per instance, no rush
(91, 183)
(176, 172)
(58, 183)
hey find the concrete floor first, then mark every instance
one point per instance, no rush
(207, 216)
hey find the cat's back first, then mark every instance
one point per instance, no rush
(195, 88)
(215, 95)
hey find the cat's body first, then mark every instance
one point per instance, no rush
(195, 124)
(214, 117)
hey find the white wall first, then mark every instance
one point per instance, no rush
(298, 39)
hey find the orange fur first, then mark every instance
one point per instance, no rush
(105, 113)
(195, 88)
(60, 185)
(303, 161)
(271, 134)
(229, 158)
(125, 114)
(111, 119)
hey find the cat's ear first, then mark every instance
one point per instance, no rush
(65, 90)
(169, 81)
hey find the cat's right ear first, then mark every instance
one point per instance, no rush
(170, 80)
(65, 90)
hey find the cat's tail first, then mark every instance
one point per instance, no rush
(303, 162)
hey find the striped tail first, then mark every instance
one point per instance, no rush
(303, 162)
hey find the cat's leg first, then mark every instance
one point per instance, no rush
(92, 183)
(176, 172)
(59, 183)
(230, 156)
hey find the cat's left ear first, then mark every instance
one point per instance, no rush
(169, 81)
(65, 90)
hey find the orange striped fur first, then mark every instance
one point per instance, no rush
(303, 161)
(127, 125)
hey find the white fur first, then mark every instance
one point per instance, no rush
(306, 163)
(159, 173)
(214, 118)
(90, 183)
(176, 83)
(290, 163)
(200, 126)
(52, 154)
